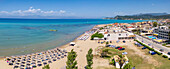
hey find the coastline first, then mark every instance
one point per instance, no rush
(81, 47)
(75, 40)
(61, 47)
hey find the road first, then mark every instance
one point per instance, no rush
(152, 44)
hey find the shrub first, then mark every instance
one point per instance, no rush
(127, 66)
(97, 35)
(71, 60)
(46, 67)
(101, 28)
(165, 56)
(164, 44)
(107, 42)
(169, 58)
(155, 24)
(113, 62)
(89, 57)
(120, 56)
(110, 62)
(158, 53)
(145, 45)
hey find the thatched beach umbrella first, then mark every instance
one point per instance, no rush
(34, 66)
(62, 56)
(54, 59)
(10, 63)
(49, 61)
(22, 65)
(23, 62)
(58, 58)
(19, 60)
(16, 66)
(38, 61)
(39, 64)
(28, 64)
(17, 63)
(44, 63)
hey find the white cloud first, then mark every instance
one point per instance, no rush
(61, 11)
(3, 12)
(32, 11)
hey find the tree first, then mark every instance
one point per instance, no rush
(107, 42)
(89, 57)
(105, 53)
(71, 63)
(155, 24)
(46, 67)
(97, 35)
(101, 28)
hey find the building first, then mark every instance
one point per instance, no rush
(162, 32)
(125, 36)
(121, 36)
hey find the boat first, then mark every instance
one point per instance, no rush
(52, 30)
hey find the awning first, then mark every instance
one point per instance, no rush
(95, 38)
(72, 43)
(155, 34)
(159, 40)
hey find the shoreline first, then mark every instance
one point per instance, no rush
(75, 40)
(81, 47)
(61, 47)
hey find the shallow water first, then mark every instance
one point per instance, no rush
(22, 36)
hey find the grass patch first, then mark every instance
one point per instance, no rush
(163, 62)
(164, 44)
(149, 47)
(138, 61)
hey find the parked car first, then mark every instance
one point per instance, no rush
(124, 41)
(139, 45)
(124, 53)
(117, 47)
(144, 47)
(149, 44)
(122, 49)
(112, 46)
(108, 45)
(168, 53)
(152, 52)
(162, 50)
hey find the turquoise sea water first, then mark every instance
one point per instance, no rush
(23, 36)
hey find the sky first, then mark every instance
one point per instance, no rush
(79, 8)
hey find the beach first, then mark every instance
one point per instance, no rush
(81, 48)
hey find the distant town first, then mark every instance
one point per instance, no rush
(146, 16)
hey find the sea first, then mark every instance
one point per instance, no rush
(24, 36)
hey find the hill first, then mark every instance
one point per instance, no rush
(148, 16)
